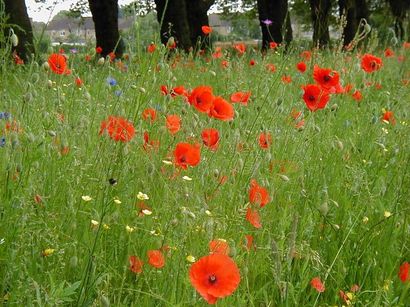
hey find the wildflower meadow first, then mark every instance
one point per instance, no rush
(225, 177)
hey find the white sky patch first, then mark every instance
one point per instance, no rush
(46, 11)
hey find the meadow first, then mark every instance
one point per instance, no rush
(118, 176)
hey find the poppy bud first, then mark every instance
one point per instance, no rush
(28, 97)
(14, 39)
(216, 173)
(334, 107)
(101, 61)
(240, 163)
(212, 73)
(367, 28)
(324, 208)
(73, 262)
(87, 96)
(46, 66)
(52, 133)
(142, 90)
(104, 301)
(35, 77)
(339, 144)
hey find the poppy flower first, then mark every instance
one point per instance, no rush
(248, 242)
(286, 79)
(306, 55)
(98, 50)
(156, 259)
(218, 53)
(178, 91)
(225, 64)
(258, 194)
(241, 48)
(201, 98)
(219, 246)
(206, 30)
(252, 216)
(265, 139)
(221, 109)
(325, 77)
(118, 128)
(371, 63)
(301, 67)
(388, 117)
(240, 97)
(148, 143)
(271, 67)
(317, 284)
(78, 82)
(273, 45)
(357, 95)
(58, 64)
(214, 276)
(210, 138)
(404, 272)
(135, 264)
(388, 53)
(315, 97)
(151, 48)
(149, 114)
(252, 62)
(173, 123)
(186, 154)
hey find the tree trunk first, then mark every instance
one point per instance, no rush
(173, 19)
(320, 10)
(197, 13)
(272, 15)
(399, 10)
(288, 31)
(347, 10)
(17, 12)
(105, 17)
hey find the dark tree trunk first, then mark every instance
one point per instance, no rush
(173, 19)
(288, 31)
(276, 12)
(399, 10)
(183, 20)
(105, 17)
(197, 13)
(17, 12)
(320, 10)
(347, 11)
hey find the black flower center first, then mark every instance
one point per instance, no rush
(311, 98)
(327, 78)
(212, 279)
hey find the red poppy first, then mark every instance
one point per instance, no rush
(306, 55)
(248, 242)
(148, 143)
(156, 258)
(357, 95)
(135, 264)
(265, 139)
(271, 67)
(252, 216)
(388, 117)
(219, 246)
(149, 114)
(252, 62)
(173, 123)
(371, 63)
(286, 79)
(225, 64)
(273, 45)
(78, 82)
(221, 109)
(118, 128)
(325, 77)
(98, 50)
(111, 55)
(218, 53)
(317, 284)
(215, 276)
(406, 45)
(404, 272)
(58, 64)
(315, 97)
(87, 58)
(186, 154)
(210, 138)
(178, 91)
(258, 194)
(201, 98)
(240, 47)
(151, 48)
(240, 97)
(301, 67)
(206, 30)
(388, 53)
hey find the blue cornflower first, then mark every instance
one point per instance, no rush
(118, 93)
(111, 81)
(4, 115)
(2, 141)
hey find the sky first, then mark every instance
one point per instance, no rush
(45, 12)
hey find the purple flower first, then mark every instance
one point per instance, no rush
(267, 22)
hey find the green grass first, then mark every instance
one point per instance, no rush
(345, 167)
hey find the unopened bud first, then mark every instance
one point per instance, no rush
(101, 61)
(14, 40)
